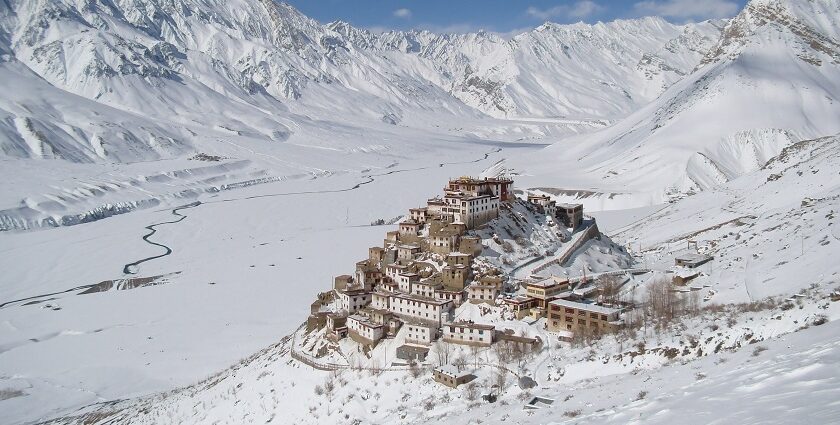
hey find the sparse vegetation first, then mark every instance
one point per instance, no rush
(507, 247)
(471, 391)
(572, 413)
(6, 394)
(820, 319)
(201, 156)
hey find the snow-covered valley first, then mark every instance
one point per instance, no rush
(176, 191)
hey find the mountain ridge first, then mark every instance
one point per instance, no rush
(766, 84)
(161, 59)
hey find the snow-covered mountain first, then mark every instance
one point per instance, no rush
(254, 146)
(580, 70)
(771, 80)
(147, 79)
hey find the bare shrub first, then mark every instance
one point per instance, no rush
(330, 388)
(572, 413)
(474, 353)
(471, 391)
(608, 287)
(415, 370)
(663, 304)
(641, 395)
(460, 363)
(732, 320)
(584, 337)
(443, 351)
(500, 379)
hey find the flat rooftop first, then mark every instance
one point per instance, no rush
(692, 257)
(569, 206)
(584, 306)
(364, 321)
(548, 282)
(452, 371)
(471, 325)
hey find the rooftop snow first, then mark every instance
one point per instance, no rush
(583, 306)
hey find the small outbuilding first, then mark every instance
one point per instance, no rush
(410, 352)
(692, 259)
(451, 377)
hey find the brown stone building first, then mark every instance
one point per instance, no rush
(455, 277)
(451, 377)
(478, 293)
(565, 315)
(546, 289)
(469, 333)
(571, 215)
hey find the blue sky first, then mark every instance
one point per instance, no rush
(504, 16)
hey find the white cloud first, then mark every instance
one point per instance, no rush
(577, 10)
(688, 9)
(403, 13)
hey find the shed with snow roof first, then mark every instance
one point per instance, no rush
(451, 377)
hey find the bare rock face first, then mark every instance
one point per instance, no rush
(798, 20)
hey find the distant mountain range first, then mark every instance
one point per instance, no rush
(692, 105)
(128, 81)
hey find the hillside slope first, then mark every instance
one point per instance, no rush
(764, 294)
(772, 79)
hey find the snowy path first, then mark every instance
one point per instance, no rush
(577, 241)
